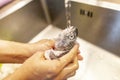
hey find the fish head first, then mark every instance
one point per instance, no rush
(69, 34)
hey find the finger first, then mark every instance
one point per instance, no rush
(62, 62)
(71, 74)
(67, 71)
(73, 66)
(47, 44)
(67, 58)
(79, 52)
(79, 57)
(42, 45)
(45, 40)
(71, 69)
(38, 56)
(66, 77)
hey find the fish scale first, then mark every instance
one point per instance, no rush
(63, 43)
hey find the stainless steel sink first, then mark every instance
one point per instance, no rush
(98, 34)
(23, 24)
(98, 23)
(98, 64)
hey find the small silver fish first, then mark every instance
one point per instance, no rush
(63, 43)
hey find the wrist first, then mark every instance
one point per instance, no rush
(14, 52)
(24, 72)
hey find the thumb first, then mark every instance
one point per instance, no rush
(67, 58)
(40, 55)
(46, 44)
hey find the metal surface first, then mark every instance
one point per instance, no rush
(97, 25)
(46, 11)
(57, 12)
(98, 64)
(23, 24)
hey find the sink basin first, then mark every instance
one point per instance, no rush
(98, 64)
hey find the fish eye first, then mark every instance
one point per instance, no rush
(71, 37)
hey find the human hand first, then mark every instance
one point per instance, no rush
(56, 69)
(16, 52)
(41, 45)
(68, 71)
(38, 68)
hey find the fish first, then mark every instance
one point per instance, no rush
(63, 43)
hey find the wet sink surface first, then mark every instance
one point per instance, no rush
(97, 64)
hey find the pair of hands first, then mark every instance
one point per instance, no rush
(38, 68)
